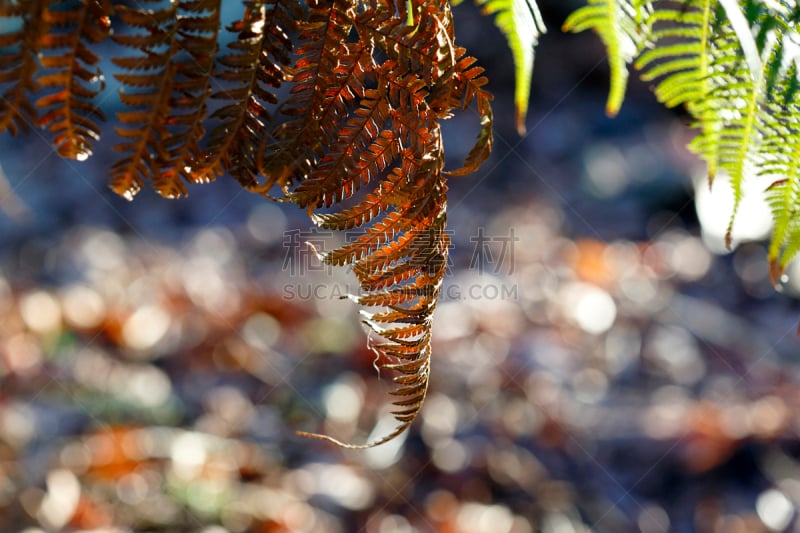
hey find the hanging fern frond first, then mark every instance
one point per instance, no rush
(522, 24)
(679, 55)
(256, 67)
(147, 87)
(469, 87)
(388, 149)
(167, 87)
(739, 136)
(623, 26)
(326, 77)
(357, 141)
(780, 162)
(192, 69)
(19, 65)
(364, 147)
(734, 65)
(735, 113)
(685, 46)
(71, 77)
(739, 102)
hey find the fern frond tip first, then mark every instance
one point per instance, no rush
(350, 446)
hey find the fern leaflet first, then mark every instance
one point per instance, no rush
(522, 24)
(623, 26)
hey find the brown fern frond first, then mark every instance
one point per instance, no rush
(379, 233)
(426, 47)
(404, 332)
(257, 66)
(380, 272)
(147, 89)
(19, 65)
(167, 87)
(390, 144)
(469, 87)
(407, 350)
(328, 76)
(71, 78)
(197, 30)
(362, 148)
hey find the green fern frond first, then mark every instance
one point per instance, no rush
(623, 26)
(736, 112)
(783, 197)
(679, 54)
(738, 140)
(736, 107)
(684, 54)
(522, 24)
(780, 162)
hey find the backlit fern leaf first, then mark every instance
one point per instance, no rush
(623, 27)
(728, 116)
(468, 87)
(327, 76)
(19, 48)
(387, 26)
(197, 29)
(147, 89)
(363, 148)
(521, 23)
(167, 87)
(783, 197)
(735, 111)
(256, 66)
(780, 162)
(745, 110)
(70, 76)
(389, 143)
(357, 142)
(681, 57)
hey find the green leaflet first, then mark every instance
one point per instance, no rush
(779, 160)
(521, 23)
(773, 149)
(680, 59)
(623, 26)
(729, 110)
(741, 26)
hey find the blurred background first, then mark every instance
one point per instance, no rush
(601, 362)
